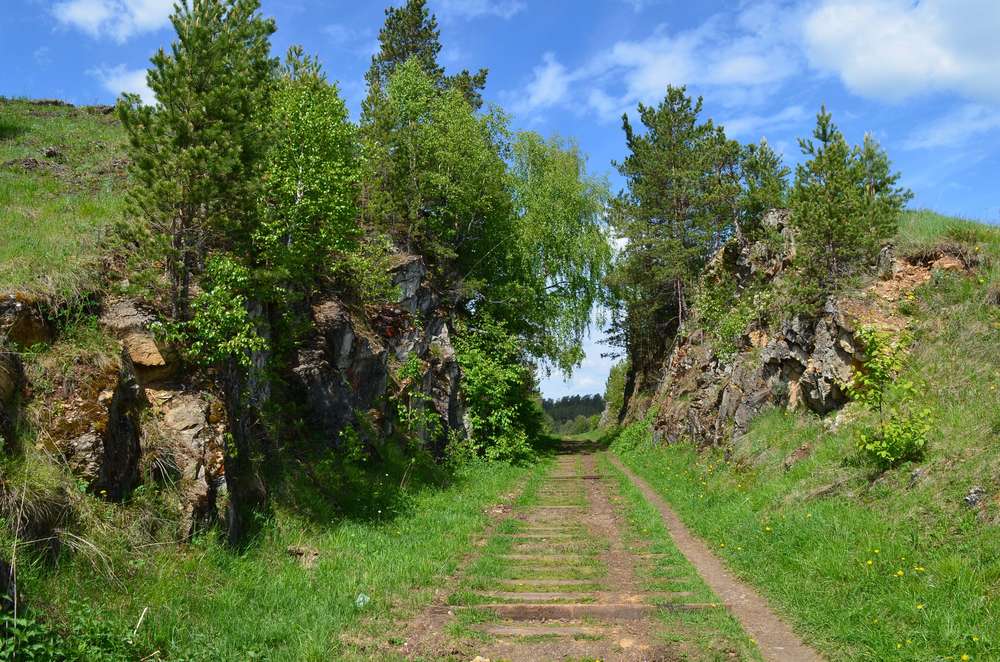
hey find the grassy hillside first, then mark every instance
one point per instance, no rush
(61, 180)
(902, 564)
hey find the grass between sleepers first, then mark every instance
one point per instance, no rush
(714, 633)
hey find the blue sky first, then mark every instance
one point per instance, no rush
(921, 75)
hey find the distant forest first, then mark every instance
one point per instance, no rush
(568, 408)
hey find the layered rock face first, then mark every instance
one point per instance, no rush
(140, 416)
(803, 363)
(346, 367)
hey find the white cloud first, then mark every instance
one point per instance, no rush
(476, 8)
(121, 79)
(734, 57)
(895, 49)
(956, 128)
(549, 86)
(756, 126)
(118, 19)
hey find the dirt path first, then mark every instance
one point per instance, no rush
(565, 578)
(774, 637)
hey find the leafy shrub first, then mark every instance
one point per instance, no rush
(498, 386)
(726, 313)
(85, 639)
(635, 435)
(614, 391)
(221, 327)
(900, 437)
(901, 431)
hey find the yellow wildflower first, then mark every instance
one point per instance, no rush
(900, 573)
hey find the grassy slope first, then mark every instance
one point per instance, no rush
(56, 209)
(887, 567)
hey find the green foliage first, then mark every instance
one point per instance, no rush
(558, 252)
(311, 178)
(614, 391)
(901, 432)
(765, 187)
(434, 176)
(683, 192)
(196, 156)
(845, 205)
(86, 638)
(498, 388)
(725, 313)
(221, 327)
(411, 32)
(636, 436)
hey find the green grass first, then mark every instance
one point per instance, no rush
(869, 565)
(205, 602)
(714, 632)
(56, 209)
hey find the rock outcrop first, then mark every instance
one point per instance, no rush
(154, 361)
(346, 366)
(98, 430)
(805, 362)
(22, 322)
(186, 447)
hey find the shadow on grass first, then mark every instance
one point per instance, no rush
(380, 486)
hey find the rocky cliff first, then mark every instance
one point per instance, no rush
(130, 413)
(803, 362)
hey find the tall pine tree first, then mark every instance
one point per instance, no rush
(411, 32)
(845, 205)
(196, 154)
(681, 203)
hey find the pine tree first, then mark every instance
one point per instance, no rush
(196, 154)
(845, 205)
(681, 204)
(765, 187)
(411, 32)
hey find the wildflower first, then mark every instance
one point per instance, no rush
(920, 606)
(870, 562)
(767, 528)
(975, 638)
(876, 551)
(900, 573)
(722, 544)
(965, 657)
(809, 515)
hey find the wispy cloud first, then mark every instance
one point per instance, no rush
(360, 42)
(117, 19)
(549, 86)
(475, 8)
(756, 126)
(120, 79)
(955, 129)
(731, 56)
(891, 50)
